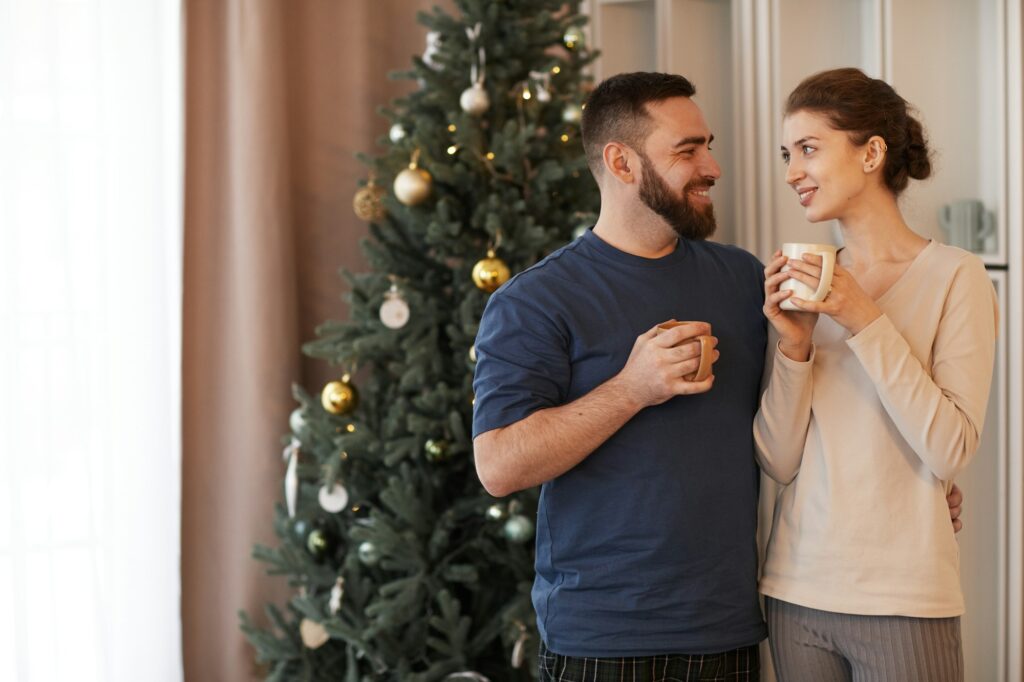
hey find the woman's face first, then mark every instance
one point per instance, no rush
(823, 166)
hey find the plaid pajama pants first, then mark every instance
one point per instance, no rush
(738, 665)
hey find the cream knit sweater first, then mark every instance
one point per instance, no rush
(867, 436)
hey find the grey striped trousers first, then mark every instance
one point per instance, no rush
(820, 646)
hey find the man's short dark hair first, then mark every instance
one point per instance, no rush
(617, 110)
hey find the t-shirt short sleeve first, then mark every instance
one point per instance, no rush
(522, 363)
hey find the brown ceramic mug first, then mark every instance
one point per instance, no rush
(707, 349)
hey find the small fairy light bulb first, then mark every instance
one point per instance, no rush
(452, 128)
(556, 70)
(526, 92)
(490, 156)
(452, 149)
(565, 138)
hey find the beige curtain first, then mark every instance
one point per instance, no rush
(279, 95)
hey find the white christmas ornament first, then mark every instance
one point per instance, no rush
(394, 312)
(333, 499)
(397, 133)
(474, 100)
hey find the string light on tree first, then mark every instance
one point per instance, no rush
(340, 397)
(437, 450)
(414, 184)
(396, 133)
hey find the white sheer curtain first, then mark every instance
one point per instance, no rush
(90, 270)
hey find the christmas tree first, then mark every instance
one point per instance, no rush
(404, 567)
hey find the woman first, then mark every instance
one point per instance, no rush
(874, 402)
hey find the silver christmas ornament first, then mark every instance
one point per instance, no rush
(297, 421)
(369, 554)
(475, 100)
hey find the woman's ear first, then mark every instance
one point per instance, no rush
(874, 156)
(618, 161)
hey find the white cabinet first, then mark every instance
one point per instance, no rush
(959, 63)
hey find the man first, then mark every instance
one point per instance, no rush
(647, 519)
(646, 551)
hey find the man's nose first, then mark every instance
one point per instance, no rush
(711, 168)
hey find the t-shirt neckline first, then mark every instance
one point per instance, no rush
(608, 251)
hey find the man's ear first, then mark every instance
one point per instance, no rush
(621, 162)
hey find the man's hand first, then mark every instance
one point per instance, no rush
(955, 500)
(660, 359)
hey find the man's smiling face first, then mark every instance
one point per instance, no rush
(678, 168)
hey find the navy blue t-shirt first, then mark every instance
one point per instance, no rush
(648, 545)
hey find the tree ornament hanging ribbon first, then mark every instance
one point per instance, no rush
(476, 69)
(291, 477)
(543, 85)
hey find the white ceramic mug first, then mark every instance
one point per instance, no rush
(796, 251)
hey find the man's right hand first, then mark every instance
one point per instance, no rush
(660, 359)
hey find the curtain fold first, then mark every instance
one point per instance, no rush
(279, 96)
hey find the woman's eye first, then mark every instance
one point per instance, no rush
(807, 149)
(785, 157)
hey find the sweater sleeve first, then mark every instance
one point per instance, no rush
(781, 422)
(939, 410)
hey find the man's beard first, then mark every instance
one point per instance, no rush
(687, 220)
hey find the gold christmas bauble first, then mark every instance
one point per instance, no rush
(314, 635)
(491, 272)
(339, 397)
(368, 203)
(413, 185)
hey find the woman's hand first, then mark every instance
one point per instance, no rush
(794, 328)
(846, 302)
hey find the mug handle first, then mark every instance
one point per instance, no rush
(828, 265)
(706, 349)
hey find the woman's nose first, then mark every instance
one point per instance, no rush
(793, 173)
